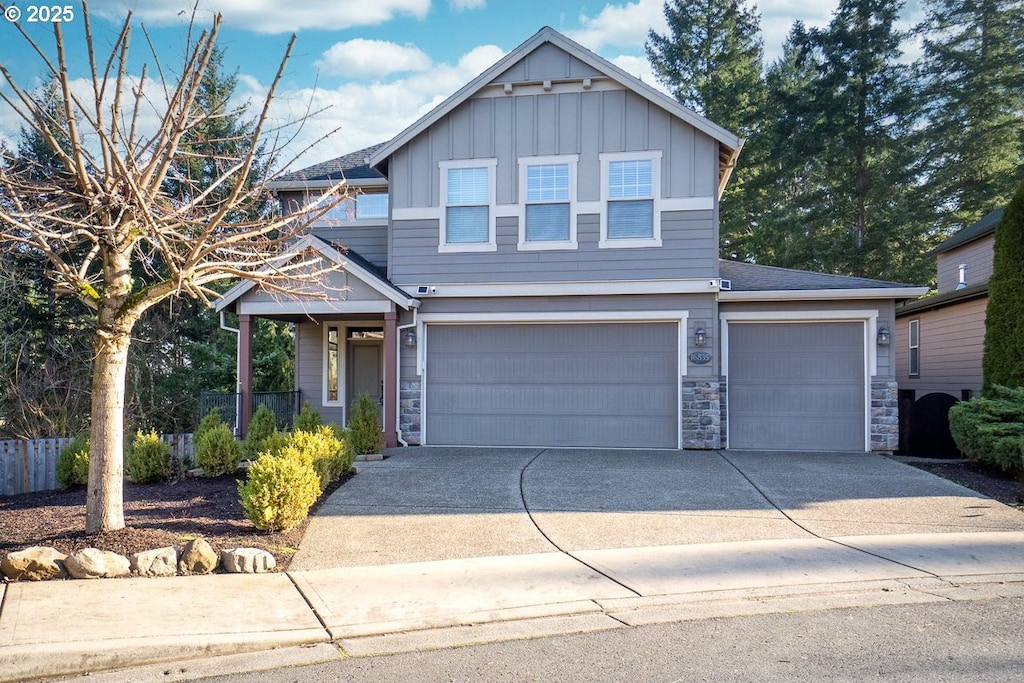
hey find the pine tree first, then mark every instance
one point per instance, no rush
(1003, 361)
(712, 60)
(972, 68)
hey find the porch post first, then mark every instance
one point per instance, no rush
(245, 372)
(390, 378)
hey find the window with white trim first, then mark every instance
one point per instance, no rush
(333, 364)
(467, 194)
(363, 207)
(914, 357)
(547, 192)
(630, 191)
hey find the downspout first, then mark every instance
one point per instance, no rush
(398, 375)
(238, 370)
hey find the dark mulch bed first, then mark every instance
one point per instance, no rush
(985, 480)
(156, 515)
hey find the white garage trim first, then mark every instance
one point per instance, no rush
(868, 317)
(680, 318)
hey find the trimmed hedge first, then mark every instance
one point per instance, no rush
(990, 429)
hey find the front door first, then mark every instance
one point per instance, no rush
(365, 372)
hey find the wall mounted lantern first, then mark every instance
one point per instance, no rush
(409, 338)
(883, 336)
(700, 337)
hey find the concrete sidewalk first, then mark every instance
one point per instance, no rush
(444, 547)
(59, 628)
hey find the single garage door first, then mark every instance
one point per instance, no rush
(600, 385)
(796, 386)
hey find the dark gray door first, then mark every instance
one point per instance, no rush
(601, 385)
(365, 371)
(796, 386)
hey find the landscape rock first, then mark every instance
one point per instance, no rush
(38, 563)
(159, 562)
(247, 561)
(92, 563)
(197, 557)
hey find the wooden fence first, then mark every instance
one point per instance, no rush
(31, 465)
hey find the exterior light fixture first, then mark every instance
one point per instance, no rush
(700, 337)
(409, 338)
(883, 336)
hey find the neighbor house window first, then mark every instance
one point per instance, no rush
(333, 361)
(467, 191)
(914, 363)
(630, 189)
(371, 206)
(547, 188)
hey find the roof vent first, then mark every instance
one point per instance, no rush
(963, 276)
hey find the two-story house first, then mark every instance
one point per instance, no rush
(940, 340)
(535, 262)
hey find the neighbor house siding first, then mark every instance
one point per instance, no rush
(977, 255)
(369, 241)
(952, 341)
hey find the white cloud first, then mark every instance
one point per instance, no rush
(270, 16)
(367, 113)
(462, 5)
(360, 57)
(624, 25)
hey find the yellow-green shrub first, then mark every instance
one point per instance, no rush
(329, 455)
(262, 427)
(308, 419)
(364, 427)
(217, 451)
(149, 459)
(73, 463)
(279, 490)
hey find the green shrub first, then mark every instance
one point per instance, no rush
(308, 419)
(149, 459)
(364, 427)
(275, 443)
(211, 420)
(990, 429)
(329, 455)
(73, 463)
(217, 451)
(279, 490)
(262, 427)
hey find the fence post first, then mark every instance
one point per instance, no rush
(24, 467)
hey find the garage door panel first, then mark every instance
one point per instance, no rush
(607, 384)
(796, 386)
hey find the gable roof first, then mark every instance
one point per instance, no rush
(353, 167)
(729, 143)
(985, 226)
(754, 281)
(351, 262)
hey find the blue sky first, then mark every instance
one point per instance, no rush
(375, 66)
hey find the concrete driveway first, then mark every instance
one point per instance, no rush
(425, 504)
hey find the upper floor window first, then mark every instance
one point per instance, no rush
(467, 193)
(914, 358)
(631, 188)
(362, 207)
(546, 220)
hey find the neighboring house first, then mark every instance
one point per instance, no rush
(940, 340)
(535, 263)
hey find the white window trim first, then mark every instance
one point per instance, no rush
(911, 347)
(443, 247)
(655, 240)
(342, 337)
(571, 160)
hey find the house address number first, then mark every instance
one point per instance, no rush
(700, 357)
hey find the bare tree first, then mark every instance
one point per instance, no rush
(111, 233)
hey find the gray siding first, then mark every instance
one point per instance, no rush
(309, 362)
(952, 341)
(547, 61)
(688, 250)
(369, 241)
(978, 257)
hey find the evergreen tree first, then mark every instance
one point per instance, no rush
(712, 60)
(1003, 361)
(972, 68)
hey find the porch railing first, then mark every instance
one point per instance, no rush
(283, 404)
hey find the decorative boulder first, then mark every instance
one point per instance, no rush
(159, 562)
(97, 564)
(247, 561)
(197, 557)
(39, 563)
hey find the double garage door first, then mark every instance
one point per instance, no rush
(796, 386)
(594, 384)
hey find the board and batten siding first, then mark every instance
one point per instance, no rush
(309, 370)
(977, 255)
(951, 346)
(688, 250)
